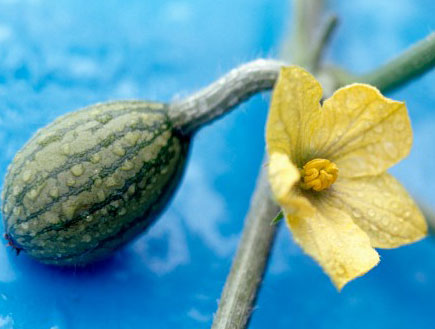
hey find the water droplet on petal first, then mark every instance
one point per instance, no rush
(399, 125)
(378, 202)
(279, 126)
(371, 213)
(356, 213)
(391, 149)
(378, 129)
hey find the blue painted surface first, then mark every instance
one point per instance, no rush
(56, 56)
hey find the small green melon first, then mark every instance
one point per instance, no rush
(91, 181)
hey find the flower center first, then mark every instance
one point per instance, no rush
(318, 174)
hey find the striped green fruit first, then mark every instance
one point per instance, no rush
(91, 181)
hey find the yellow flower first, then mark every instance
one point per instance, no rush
(327, 170)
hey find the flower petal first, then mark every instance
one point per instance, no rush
(295, 103)
(331, 238)
(283, 175)
(382, 208)
(363, 132)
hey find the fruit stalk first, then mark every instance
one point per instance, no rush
(223, 95)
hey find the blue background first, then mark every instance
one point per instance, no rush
(57, 56)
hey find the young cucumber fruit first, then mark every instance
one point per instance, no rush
(91, 181)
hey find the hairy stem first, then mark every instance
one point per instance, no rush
(410, 64)
(306, 18)
(323, 39)
(221, 96)
(240, 291)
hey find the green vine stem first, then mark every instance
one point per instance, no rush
(223, 95)
(404, 68)
(306, 22)
(323, 40)
(240, 291)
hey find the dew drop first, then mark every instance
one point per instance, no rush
(122, 212)
(147, 156)
(131, 189)
(161, 141)
(86, 238)
(391, 149)
(279, 126)
(77, 170)
(52, 218)
(378, 202)
(132, 138)
(54, 192)
(394, 205)
(16, 190)
(95, 158)
(338, 268)
(378, 129)
(101, 196)
(407, 214)
(399, 125)
(371, 213)
(118, 150)
(66, 149)
(68, 210)
(133, 122)
(127, 165)
(98, 181)
(104, 118)
(70, 182)
(385, 221)
(27, 175)
(356, 213)
(17, 211)
(32, 194)
(110, 182)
